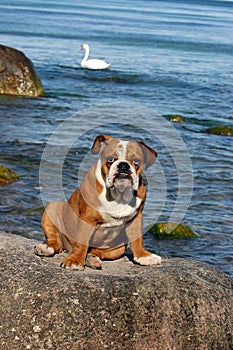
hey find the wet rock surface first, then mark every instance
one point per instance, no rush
(176, 118)
(182, 304)
(17, 74)
(162, 230)
(7, 175)
(223, 130)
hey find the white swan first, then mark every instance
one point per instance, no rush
(94, 63)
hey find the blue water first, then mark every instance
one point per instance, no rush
(168, 57)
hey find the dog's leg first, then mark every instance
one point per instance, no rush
(79, 233)
(109, 254)
(76, 260)
(53, 244)
(141, 255)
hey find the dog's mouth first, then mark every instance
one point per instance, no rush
(123, 180)
(123, 175)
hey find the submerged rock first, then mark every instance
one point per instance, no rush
(17, 74)
(7, 175)
(176, 118)
(182, 304)
(221, 130)
(162, 230)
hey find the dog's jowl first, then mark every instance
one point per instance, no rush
(105, 213)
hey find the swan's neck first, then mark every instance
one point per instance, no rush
(86, 54)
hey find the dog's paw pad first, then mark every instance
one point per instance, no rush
(93, 262)
(152, 259)
(42, 249)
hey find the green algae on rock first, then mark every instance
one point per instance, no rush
(176, 118)
(7, 175)
(221, 130)
(163, 230)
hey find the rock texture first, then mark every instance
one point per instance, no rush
(223, 130)
(163, 230)
(176, 118)
(17, 74)
(7, 175)
(182, 304)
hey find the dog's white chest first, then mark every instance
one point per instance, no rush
(117, 214)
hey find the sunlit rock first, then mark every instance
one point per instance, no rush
(182, 304)
(17, 74)
(176, 118)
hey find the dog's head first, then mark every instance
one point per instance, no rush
(122, 162)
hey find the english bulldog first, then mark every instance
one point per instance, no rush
(104, 214)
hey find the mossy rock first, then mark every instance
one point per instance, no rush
(7, 175)
(163, 230)
(176, 118)
(221, 130)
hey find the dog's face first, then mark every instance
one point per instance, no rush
(122, 162)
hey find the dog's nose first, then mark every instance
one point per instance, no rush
(123, 166)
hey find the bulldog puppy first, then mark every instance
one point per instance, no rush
(105, 212)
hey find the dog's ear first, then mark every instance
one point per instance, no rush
(98, 143)
(150, 154)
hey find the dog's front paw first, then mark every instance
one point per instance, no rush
(152, 259)
(70, 263)
(42, 249)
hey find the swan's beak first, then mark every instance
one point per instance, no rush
(81, 48)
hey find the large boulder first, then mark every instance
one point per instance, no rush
(17, 74)
(181, 304)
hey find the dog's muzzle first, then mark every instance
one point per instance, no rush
(123, 171)
(122, 176)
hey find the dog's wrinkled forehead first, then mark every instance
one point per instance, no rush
(108, 146)
(121, 149)
(113, 147)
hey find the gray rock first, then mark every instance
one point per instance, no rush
(182, 304)
(17, 74)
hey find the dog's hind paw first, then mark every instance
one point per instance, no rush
(42, 249)
(93, 262)
(152, 259)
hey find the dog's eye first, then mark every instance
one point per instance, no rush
(110, 160)
(136, 162)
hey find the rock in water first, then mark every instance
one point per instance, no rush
(7, 175)
(176, 118)
(17, 74)
(163, 230)
(221, 130)
(180, 305)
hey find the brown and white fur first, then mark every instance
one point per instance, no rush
(105, 212)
